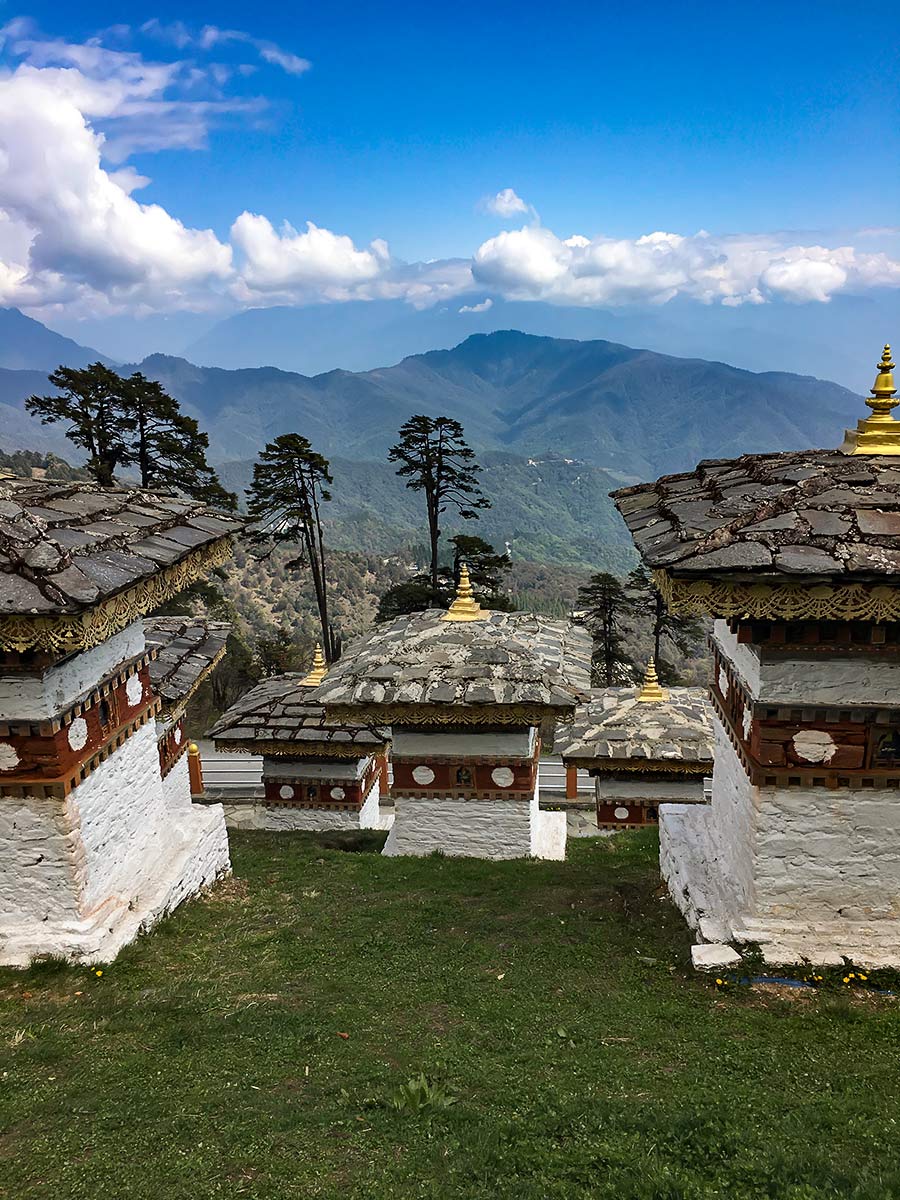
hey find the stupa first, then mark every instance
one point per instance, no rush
(643, 747)
(91, 850)
(470, 697)
(797, 556)
(317, 773)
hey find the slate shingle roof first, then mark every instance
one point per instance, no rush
(282, 710)
(188, 649)
(805, 514)
(65, 547)
(505, 659)
(615, 725)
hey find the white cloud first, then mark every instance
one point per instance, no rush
(210, 36)
(77, 235)
(532, 263)
(484, 306)
(290, 264)
(506, 204)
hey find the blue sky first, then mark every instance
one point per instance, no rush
(610, 122)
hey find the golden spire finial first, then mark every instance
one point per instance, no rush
(465, 607)
(319, 667)
(880, 433)
(651, 692)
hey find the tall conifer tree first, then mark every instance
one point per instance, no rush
(605, 605)
(290, 483)
(435, 459)
(169, 448)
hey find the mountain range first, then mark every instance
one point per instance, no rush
(835, 341)
(556, 423)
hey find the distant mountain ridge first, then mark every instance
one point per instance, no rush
(635, 412)
(556, 423)
(631, 411)
(27, 345)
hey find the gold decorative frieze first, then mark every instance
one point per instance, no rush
(68, 632)
(779, 601)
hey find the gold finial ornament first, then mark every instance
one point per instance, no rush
(651, 692)
(319, 668)
(465, 607)
(880, 433)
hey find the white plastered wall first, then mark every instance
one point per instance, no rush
(497, 829)
(836, 680)
(42, 696)
(275, 818)
(83, 876)
(807, 872)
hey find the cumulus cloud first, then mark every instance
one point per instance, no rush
(505, 204)
(77, 229)
(78, 235)
(533, 263)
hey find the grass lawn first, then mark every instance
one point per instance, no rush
(553, 1002)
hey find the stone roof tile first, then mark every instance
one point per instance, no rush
(72, 545)
(819, 513)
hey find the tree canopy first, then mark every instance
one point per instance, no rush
(435, 458)
(131, 422)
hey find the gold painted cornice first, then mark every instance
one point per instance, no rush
(779, 601)
(613, 766)
(67, 632)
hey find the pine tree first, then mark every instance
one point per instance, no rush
(667, 629)
(290, 483)
(169, 448)
(132, 422)
(435, 459)
(92, 403)
(604, 607)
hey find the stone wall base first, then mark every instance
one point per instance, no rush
(312, 820)
(460, 827)
(196, 858)
(693, 875)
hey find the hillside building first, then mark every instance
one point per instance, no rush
(797, 557)
(93, 849)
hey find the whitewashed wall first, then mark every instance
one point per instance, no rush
(82, 876)
(837, 680)
(41, 696)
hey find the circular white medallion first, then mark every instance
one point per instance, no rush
(338, 793)
(423, 775)
(814, 745)
(178, 735)
(9, 758)
(502, 776)
(723, 682)
(78, 733)
(134, 690)
(286, 792)
(621, 814)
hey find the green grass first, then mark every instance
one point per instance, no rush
(567, 1049)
